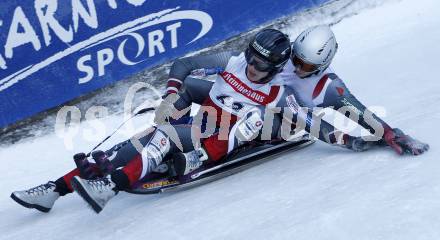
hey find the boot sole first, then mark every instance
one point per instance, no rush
(29, 205)
(78, 187)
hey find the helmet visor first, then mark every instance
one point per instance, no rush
(258, 63)
(303, 66)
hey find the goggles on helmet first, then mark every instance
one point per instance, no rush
(304, 66)
(258, 63)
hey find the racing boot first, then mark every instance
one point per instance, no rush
(96, 192)
(41, 197)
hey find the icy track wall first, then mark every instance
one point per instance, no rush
(55, 51)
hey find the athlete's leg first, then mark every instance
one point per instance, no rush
(244, 131)
(163, 142)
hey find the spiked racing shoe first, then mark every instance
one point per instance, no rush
(96, 192)
(41, 197)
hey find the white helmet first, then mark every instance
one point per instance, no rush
(315, 46)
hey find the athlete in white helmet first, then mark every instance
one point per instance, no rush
(314, 84)
(313, 51)
(317, 85)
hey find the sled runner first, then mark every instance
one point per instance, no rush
(239, 160)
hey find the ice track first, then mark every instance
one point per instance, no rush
(388, 57)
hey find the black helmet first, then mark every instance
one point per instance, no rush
(270, 45)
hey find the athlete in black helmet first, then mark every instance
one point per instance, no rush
(246, 84)
(266, 55)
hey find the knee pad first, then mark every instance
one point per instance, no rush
(249, 126)
(154, 152)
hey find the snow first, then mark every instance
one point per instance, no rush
(387, 57)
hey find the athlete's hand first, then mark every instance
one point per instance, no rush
(402, 143)
(166, 108)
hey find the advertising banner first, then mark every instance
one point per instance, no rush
(53, 51)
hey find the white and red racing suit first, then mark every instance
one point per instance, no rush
(233, 94)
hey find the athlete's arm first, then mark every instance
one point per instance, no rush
(301, 117)
(183, 67)
(338, 96)
(175, 106)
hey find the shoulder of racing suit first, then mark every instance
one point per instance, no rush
(182, 67)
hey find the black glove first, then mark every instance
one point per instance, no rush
(402, 143)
